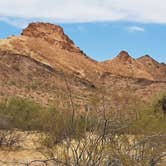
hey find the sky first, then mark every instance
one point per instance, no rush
(101, 28)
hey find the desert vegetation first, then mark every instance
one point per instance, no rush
(91, 137)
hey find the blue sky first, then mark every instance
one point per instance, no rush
(105, 40)
(100, 28)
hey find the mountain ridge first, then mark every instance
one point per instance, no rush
(64, 63)
(40, 39)
(125, 65)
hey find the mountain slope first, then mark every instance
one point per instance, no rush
(125, 65)
(44, 64)
(156, 69)
(48, 44)
(143, 67)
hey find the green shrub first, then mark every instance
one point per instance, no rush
(21, 113)
(151, 119)
(25, 114)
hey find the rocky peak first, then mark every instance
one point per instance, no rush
(164, 64)
(147, 59)
(147, 56)
(50, 32)
(124, 56)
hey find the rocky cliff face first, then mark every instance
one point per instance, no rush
(51, 33)
(46, 31)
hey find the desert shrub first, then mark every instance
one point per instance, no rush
(24, 114)
(160, 105)
(60, 125)
(88, 138)
(21, 113)
(151, 118)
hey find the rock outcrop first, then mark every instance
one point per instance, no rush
(51, 33)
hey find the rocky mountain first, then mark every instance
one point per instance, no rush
(48, 44)
(43, 63)
(156, 69)
(143, 67)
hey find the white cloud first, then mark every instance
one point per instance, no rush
(136, 29)
(147, 11)
(17, 22)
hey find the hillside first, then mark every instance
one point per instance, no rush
(43, 63)
(48, 44)
(60, 107)
(143, 67)
(156, 69)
